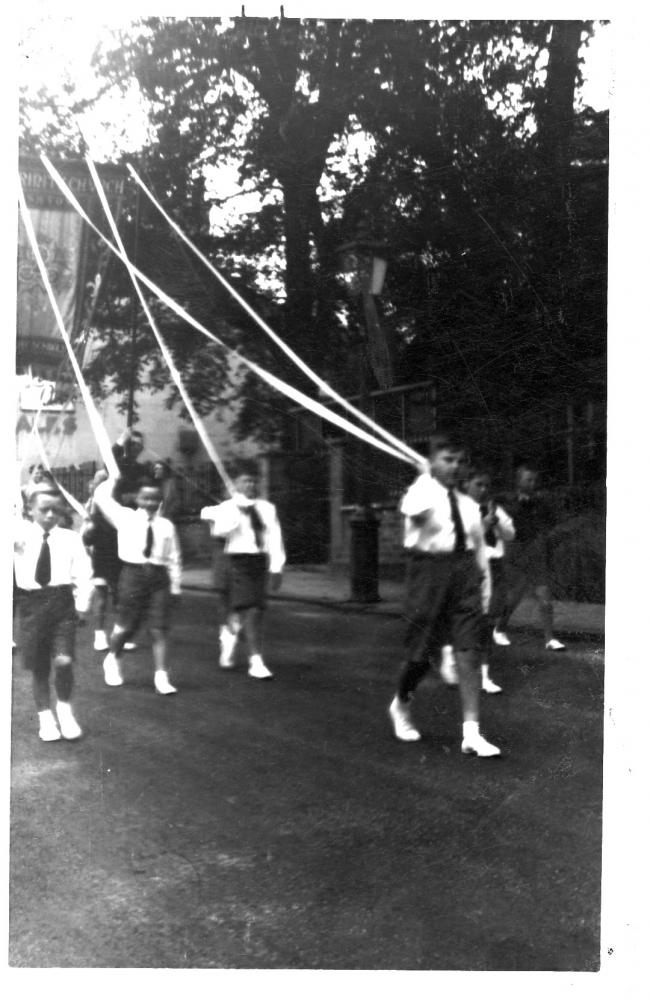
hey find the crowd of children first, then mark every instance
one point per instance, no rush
(469, 563)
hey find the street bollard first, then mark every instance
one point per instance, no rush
(364, 555)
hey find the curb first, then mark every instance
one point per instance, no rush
(345, 605)
(348, 606)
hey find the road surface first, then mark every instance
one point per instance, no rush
(255, 825)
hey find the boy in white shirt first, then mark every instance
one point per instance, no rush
(447, 590)
(53, 586)
(149, 579)
(497, 530)
(253, 554)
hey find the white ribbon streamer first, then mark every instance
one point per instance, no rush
(99, 430)
(198, 423)
(297, 360)
(271, 380)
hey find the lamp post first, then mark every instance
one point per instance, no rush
(364, 269)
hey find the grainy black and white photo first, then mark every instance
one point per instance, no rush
(309, 492)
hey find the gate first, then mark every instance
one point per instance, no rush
(299, 487)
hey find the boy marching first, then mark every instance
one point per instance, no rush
(53, 586)
(447, 591)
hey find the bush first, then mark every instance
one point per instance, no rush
(577, 549)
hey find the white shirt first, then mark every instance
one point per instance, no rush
(427, 500)
(131, 526)
(426, 496)
(70, 563)
(229, 521)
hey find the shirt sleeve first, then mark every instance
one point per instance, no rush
(277, 556)
(225, 517)
(81, 573)
(480, 554)
(417, 498)
(207, 513)
(110, 508)
(174, 563)
(504, 527)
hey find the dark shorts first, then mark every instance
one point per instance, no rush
(241, 579)
(143, 592)
(442, 603)
(47, 626)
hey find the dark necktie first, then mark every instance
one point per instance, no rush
(43, 573)
(257, 524)
(459, 545)
(149, 542)
(489, 534)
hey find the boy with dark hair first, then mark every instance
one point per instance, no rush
(150, 576)
(53, 586)
(447, 590)
(126, 450)
(497, 530)
(253, 552)
(527, 559)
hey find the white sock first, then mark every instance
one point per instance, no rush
(255, 660)
(470, 729)
(484, 671)
(46, 715)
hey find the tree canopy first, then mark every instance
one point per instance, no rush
(486, 182)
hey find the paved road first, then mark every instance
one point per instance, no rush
(245, 824)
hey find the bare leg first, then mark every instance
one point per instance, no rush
(41, 687)
(100, 607)
(543, 595)
(469, 681)
(63, 677)
(515, 593)
(159, 649)
(118, 637)
(252, 623)
(70, 728)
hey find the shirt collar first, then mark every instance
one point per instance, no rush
(144, 514)
(439, 486)
(38, 530)
(243, 501)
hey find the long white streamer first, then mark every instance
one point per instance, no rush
(272, 380)
(297, 360)
(198, 423)
(99, 430)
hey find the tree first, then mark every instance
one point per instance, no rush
(464, 188)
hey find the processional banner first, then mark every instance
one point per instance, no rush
(62, 237)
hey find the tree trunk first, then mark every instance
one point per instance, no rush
(299, 278)
(556, 117)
